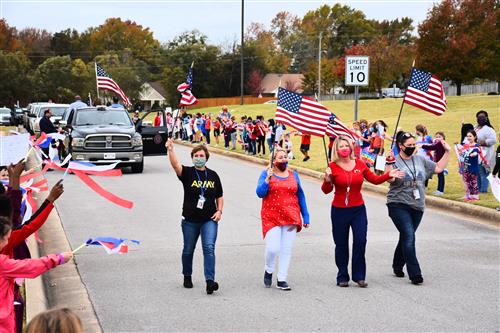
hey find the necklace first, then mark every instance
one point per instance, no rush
(348, 176)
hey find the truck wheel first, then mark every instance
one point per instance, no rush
(138, 167)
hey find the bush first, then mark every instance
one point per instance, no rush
(369, 97)
(492, 93)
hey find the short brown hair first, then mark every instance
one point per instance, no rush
(58, 320)
(199, 148)
(442, 134)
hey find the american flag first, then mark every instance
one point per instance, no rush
(104, 81)
(302, 113)
(187, 97)
(425, 92)
(336, 128)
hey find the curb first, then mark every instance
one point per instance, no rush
(60, 287)
(482, 214)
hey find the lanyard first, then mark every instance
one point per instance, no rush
(202, 189)
(414, 171)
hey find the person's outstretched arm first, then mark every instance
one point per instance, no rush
(173, 157)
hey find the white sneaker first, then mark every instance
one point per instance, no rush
(438, 193)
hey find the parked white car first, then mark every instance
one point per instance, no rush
(5, 116)
(36, 111)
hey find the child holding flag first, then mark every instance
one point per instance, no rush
(11, 269)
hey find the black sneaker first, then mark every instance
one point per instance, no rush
(418, 279)
(268, 279)
(188, 283)
(283, 285)
(212, 286)
(398, 272)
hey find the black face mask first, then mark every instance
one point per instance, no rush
(408, 150)
(482, 121)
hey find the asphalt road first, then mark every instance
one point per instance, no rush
(142, 291)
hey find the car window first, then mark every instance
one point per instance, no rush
(57, 111)
(91, 117)
(4, 111)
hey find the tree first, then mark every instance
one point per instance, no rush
(129, 73)
(116, 35)
(8, 37)
(329, 77)
(254, 83)
(72, 43)
(342, 27)
(52, 79)
(459, 40)
(388, 60)
(35, 44)
(15, 84)
(396, 31)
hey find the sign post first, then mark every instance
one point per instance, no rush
(357, 69)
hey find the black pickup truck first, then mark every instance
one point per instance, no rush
(101, 135)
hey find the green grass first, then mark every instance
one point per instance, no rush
(459, 108)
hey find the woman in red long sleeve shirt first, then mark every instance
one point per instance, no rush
(346, 174)
(11, 269)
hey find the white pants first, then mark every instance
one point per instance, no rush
(279, 241)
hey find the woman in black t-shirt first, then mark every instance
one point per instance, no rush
(201, 212)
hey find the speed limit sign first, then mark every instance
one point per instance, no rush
(356, 70)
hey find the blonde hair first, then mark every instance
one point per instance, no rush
(335, 148)
(58, 320)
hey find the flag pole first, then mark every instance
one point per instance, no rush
(402, 104)
(79, 248)
(326, 153)
(97, 86)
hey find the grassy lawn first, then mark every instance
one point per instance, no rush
(459, 108)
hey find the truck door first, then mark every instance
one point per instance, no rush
(153, 137)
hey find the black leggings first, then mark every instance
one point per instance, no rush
(261, 144)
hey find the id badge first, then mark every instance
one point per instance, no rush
(201, 202)
(416, 194)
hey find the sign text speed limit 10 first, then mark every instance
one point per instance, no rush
(356, 70)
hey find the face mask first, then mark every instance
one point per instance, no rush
(281, 166)
(482, 121)
(409, 150)
(199, 162)
(344, 152)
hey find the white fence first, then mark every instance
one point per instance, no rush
(468, 89)
(342, 97)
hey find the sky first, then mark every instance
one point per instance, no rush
(218, 19)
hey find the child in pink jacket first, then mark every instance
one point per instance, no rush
(11, 269)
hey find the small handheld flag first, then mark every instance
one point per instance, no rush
(110, 244)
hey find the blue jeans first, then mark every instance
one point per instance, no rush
(191, 231)
(406, 220)
(482, 181)
(440, 187)
(270, 144)
(344, 219)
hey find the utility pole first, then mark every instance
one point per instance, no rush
(319, 66)
(242, 47)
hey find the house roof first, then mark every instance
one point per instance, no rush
(271, 82)
(152, 91)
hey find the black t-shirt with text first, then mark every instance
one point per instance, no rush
(194, 182)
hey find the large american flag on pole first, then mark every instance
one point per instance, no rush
(302, 113)
(104, 81)
(426, 92)
(336, 128)
(185, 88)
